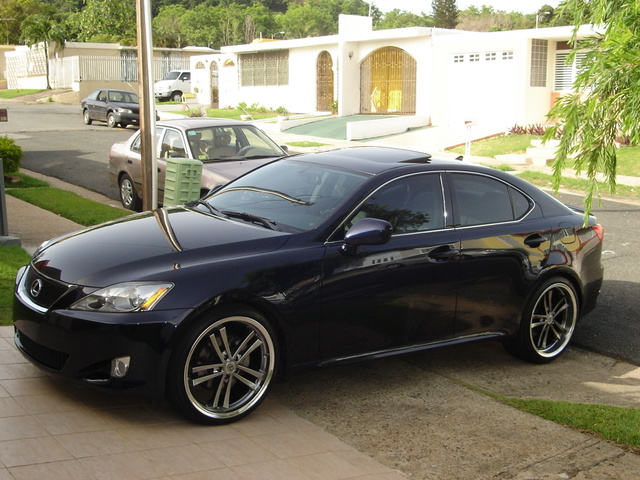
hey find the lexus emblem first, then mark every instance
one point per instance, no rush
(36, 288)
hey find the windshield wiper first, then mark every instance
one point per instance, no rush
(213, 210)
(249, 217)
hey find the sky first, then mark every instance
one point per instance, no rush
(419, 6)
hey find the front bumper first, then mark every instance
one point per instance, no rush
(82, 345)
(128, 118)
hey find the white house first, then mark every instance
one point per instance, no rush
(497, 79)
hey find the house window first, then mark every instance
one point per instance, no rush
(565, 73)
(539, 62)
(507, 55)
(474, 57)
(264, 68)
(458, 59)
(490, 57)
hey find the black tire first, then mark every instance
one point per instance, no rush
(111, 120)
(223, 367)
(548, 322)
(128, 195)
(86, 117)
(176, 96)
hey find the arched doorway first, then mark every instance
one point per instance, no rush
(324, 81)
(388, 82)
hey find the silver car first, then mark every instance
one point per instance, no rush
(228, 148)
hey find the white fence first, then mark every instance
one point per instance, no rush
(124, 69)
(69, 71)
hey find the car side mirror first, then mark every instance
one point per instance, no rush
(366, 231)
(285, 148)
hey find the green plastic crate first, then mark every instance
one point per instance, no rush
(182, 181)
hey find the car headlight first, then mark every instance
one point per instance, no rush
(123, 110)
(124, 297)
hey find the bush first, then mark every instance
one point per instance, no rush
(537, 130)
(11, 155)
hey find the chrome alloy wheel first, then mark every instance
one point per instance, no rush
(553, 320)
(229, 368)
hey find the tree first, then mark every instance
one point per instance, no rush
(111, 18)
(445, 13)
(605, 107)
(307, 20)
(40, 28)
(399, 19)
(12, 13)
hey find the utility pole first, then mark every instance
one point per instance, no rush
(149, 156)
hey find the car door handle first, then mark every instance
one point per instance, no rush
(535, 240)
(442, 254)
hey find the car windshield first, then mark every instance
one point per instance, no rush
(123, 97)
(211, 144)
(172, 75)
(294, 196)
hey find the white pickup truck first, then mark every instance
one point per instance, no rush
(175, 83)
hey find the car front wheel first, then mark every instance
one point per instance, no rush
(111, 120)
(86, 117)
(548, 322)
(223, 367)
(128, 195)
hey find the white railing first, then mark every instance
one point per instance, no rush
(65, 72)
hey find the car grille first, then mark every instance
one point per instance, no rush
(43, 355)
(41, 290)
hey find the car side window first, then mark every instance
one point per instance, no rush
(136, 145)
(480, 200)
(172, 145)
(410, 204)
(102, 96)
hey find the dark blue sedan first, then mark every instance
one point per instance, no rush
(308, 261)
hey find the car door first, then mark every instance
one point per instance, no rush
(503, 239)
(99, 107)
(172, 145)
(399, 294)
(134, 157)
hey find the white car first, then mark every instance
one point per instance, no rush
(227, 148)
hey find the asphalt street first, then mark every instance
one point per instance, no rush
(57, 143)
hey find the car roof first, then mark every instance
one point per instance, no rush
(113, 90)
(200, 122)
(379, 160)
(375, 160)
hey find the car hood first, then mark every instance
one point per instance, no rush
(134, 107)
(229, 169)
(147, 245)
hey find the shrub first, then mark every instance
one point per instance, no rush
(11, 155)
(537, 130)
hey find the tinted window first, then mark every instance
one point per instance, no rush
(521, 204)
(297, 196)
(481, 200)
(410, 204)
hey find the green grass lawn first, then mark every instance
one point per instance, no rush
(499, 145)
(628, 157)
(230, 113)
(11, 259)
(69, 205)
(18, 92)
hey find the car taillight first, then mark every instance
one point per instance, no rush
(599, 229)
